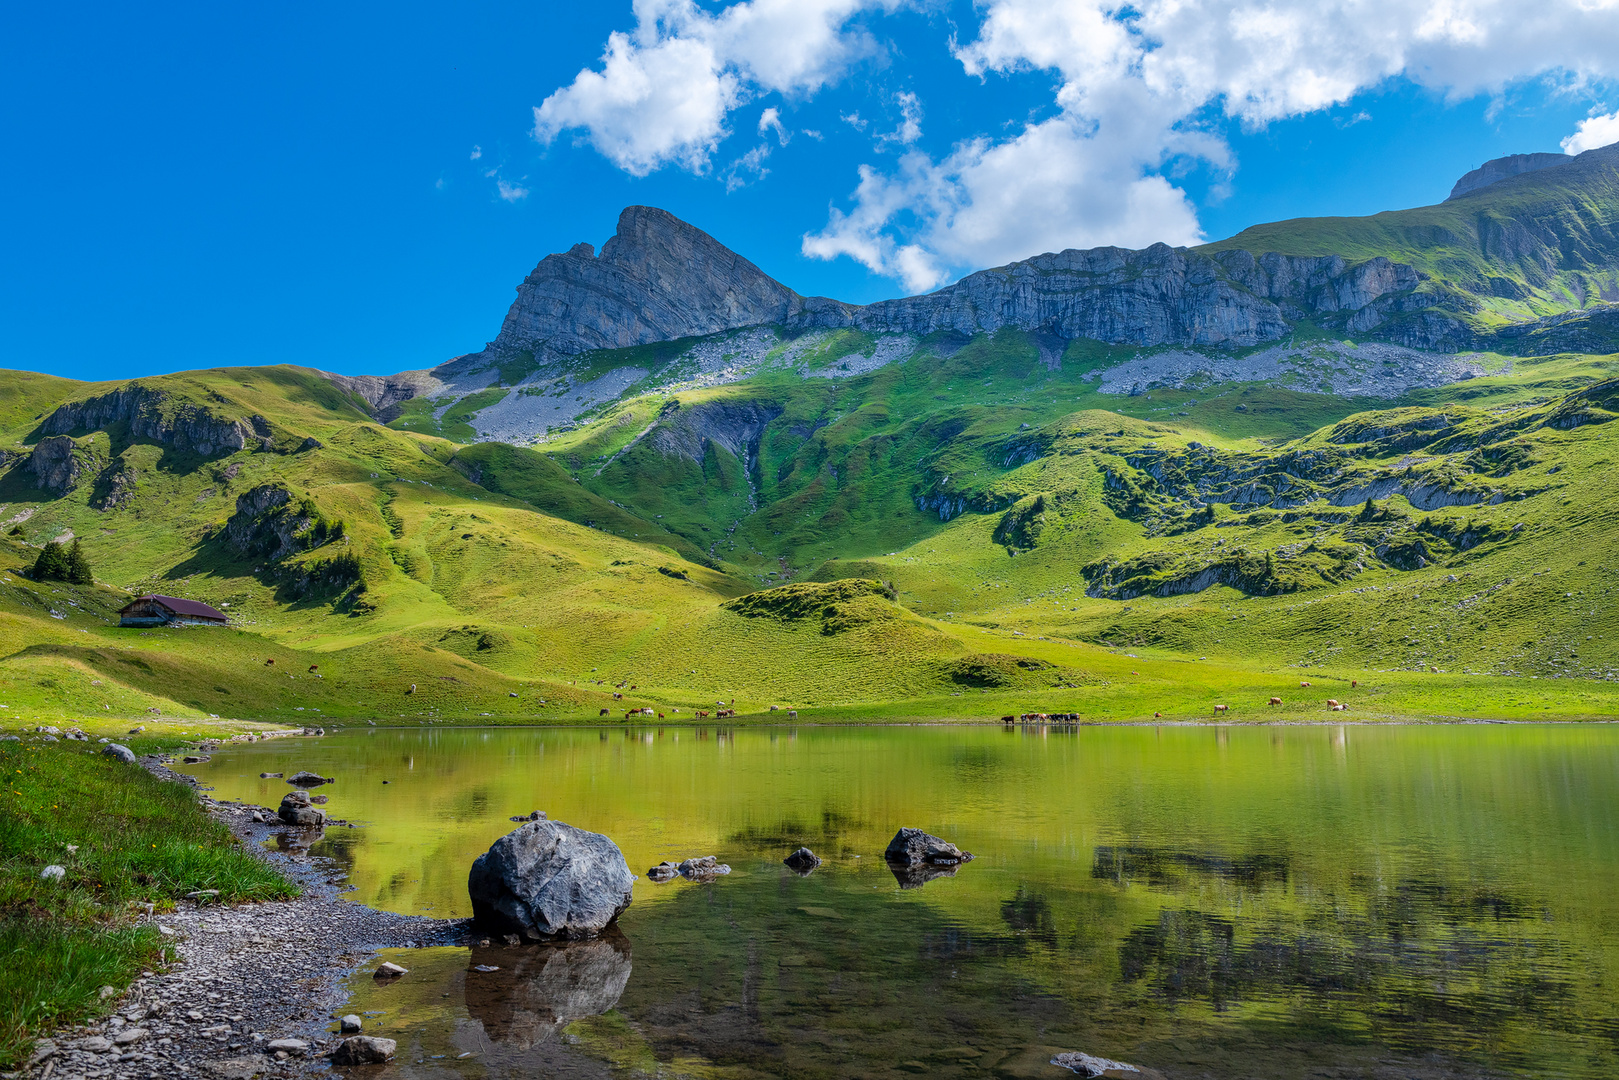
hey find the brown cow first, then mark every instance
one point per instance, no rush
(314, 667)
(267, 663)
(1353, 682)
(1333, 702)
(1275, 701)
(1340, 708)
(1303, 684)
(1157, 716)
(1222, 708)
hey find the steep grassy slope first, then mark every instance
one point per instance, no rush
(1525, 247)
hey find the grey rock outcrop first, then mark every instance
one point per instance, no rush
(733, 426)
(56, 466)
(1156, 296)
(1503, 167)
(122, 753)
(657, 279)
(155, 416)
(547, 880)
(267, 523)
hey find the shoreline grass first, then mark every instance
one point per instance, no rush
(124, 839)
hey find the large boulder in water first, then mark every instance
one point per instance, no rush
(913, 847)
(548, 880)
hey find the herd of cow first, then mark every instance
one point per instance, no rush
(1333, 704)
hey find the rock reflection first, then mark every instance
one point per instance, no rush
(539, 989)
(298, 841)
(914, 877)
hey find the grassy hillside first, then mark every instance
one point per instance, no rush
(1525, 247)
(1024, 543)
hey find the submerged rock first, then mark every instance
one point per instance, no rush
(309, 779)
(525, 995)
(913, 847)
(1087, 1065)
(664, 871)
(803, 861)
(704, 868)
(546, 879)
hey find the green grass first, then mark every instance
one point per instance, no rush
(124, 838)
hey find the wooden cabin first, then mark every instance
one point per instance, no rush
(154, 610)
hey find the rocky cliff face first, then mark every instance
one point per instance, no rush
(150, 414)
(1512, 165)
(1156, 296)
(267, 523)
(55, 466)
(660, 279)
(657, 279)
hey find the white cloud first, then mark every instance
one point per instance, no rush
(770, 120)
(748, 168)
(477, 152)
(510, 190)
(910, 125)
(1594, 131)
(665, 90)
(1143, 85)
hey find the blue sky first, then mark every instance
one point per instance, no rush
(361, 189)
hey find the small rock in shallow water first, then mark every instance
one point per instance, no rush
(309, 779)
(538, 815)
(296, 810)
(803, 860)
(705, 868)
(349, 1024)
(389, 970)
(364, 1050)
(269, 776)
(913, 847)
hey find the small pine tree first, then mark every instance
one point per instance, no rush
(78, 567)
(1367, 509)
(52, 563)
(1270, 564)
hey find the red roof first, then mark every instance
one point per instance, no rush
(189, 608)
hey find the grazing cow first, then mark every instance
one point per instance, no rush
(412, 689)
(660, 716)
(1353, 683)
(1275, 701)
(602, 713)
(1157, 716)
(1340, 708)
(618, 697)
(314, 667)
(702, 716)
(1332, 702)
(792, 714)
(1303, 684)
(269, 662)
(1222, 708)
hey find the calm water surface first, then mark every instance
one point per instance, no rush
(1211, 902)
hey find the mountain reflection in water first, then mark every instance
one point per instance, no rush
(1421, 903)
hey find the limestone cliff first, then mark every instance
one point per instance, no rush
(153, 415)
(1502, 167)
(657, 279)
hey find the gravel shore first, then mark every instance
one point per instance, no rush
(248, 977)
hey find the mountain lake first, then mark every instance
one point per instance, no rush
(1221, 902)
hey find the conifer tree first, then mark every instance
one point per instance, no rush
(51, 564)
(78, 567)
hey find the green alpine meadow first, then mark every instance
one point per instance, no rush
(1364, 461)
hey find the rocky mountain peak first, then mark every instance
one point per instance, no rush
(658, 278)
(1502, 167)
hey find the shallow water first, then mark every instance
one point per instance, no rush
(1209, 902)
